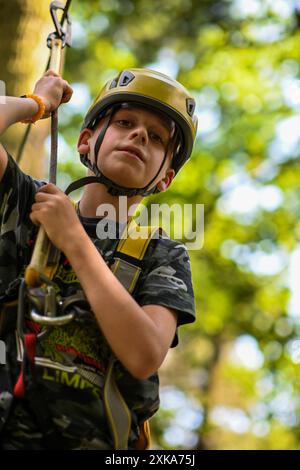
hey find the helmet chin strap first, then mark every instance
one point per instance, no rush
(112, 187)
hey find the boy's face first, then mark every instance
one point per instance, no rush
(133, 148)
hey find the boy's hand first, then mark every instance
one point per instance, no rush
(54, 90)
(54, 210)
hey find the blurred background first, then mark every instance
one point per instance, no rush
(233, 382)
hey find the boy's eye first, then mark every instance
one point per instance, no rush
(124, 122)
(156, 138)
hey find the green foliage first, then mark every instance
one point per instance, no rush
(241, 76)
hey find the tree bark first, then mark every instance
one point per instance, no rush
(25, 25)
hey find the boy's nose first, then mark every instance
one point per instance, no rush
(140, 134)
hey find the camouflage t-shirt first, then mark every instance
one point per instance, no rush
(71, 360)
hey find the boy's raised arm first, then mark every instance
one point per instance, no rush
(50, 87)
(13, 110)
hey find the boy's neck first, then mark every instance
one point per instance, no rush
(94, 198)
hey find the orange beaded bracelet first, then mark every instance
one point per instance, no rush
(41, 111)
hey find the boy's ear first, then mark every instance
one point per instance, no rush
(83, 144)
(164, 183)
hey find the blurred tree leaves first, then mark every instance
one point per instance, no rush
(240, 59)
(236, 371)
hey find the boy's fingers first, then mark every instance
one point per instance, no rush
(36, 206)
(67, 94)
(33, 219)
(42, 196)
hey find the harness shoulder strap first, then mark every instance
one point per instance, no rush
(130, 253)
(126, 266)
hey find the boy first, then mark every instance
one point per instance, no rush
(135, 137)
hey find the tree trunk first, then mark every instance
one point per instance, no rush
(25, 25)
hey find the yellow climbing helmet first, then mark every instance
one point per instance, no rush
(155, 90)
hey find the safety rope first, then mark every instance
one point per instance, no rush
(56, 41)
(65, 36)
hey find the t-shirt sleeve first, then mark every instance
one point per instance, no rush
(17, 192)
(166, 280)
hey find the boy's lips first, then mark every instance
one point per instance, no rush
(133, 150)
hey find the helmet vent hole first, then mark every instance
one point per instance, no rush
(114, 83)
(190, 106)
(125, 78)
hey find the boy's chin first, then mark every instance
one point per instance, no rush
(126, 181)
(128, 184)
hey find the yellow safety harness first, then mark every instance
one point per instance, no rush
(126, 266)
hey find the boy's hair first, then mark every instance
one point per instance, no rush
(157, 92)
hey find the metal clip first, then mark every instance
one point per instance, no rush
(60, 32)
(50, 302)
(49, 317)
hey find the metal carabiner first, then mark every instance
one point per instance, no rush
(60, 32)
(49, 318)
